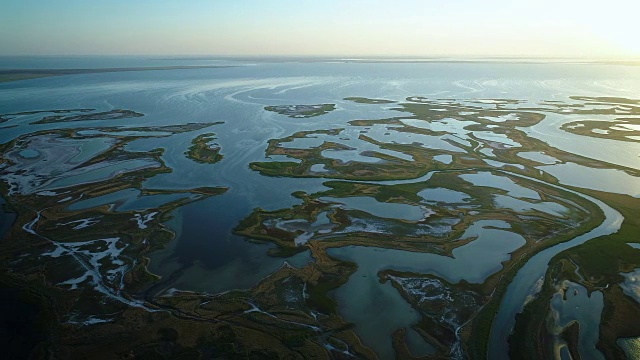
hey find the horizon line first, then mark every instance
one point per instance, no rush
(345, 56)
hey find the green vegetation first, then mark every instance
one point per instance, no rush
(363, 100)
(113, 245)
(622, 129)
(105, 115)
(202, 151)
(582, 217)
(597, 265)
(302, 111)
(502, 120)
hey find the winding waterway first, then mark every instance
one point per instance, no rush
(524, 282)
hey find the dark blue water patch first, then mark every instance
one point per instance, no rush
(21, 322)
(207, 232)
(207, 256)
(7, 218)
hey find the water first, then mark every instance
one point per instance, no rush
(212, 258)
(381, 209)
(6, 218)
(97, 62)
(126, 200)
(472, 262)
(631, 284)
(111, 198)
(444, 195)
(614, 152)
(585, 309)
(107, 171)
(538, 156)
(445, 159)
(488, 179)
(29, 153)
(363, 296)
(206, 255)
(525, 280)
(524, 206)
(615, 181)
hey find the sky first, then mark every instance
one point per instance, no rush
(464, 28)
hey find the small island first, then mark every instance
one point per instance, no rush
(363, 100)
(89, 115)
(203, 151)
(302, 111)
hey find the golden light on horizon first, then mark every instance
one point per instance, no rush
(567, 28)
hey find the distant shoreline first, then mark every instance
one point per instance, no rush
(8, 75)
(25, 74)
(413, 59)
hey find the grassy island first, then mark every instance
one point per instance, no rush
(363, 100)
(302, 111)
(202, 151)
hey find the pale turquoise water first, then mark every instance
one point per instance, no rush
(444, 195)
(488, 179)
(616, 181)
(29, 153)
(381, 209)
(538, 156)
(584, 308)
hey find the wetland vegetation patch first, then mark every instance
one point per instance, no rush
(302, 111)
(204, 150)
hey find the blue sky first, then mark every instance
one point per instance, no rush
(567, 28)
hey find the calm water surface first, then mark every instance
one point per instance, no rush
(208, 257)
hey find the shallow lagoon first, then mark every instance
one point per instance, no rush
(487, 179)
(443, 195)
(6, 219)
(538, 156)
(584, 308)
(230, 262)
(381, 209)
(598, 179)
(481, 257)
(472, 262)
(528, 275)
(126, 200)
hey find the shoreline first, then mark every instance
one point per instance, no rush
(9, 75)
